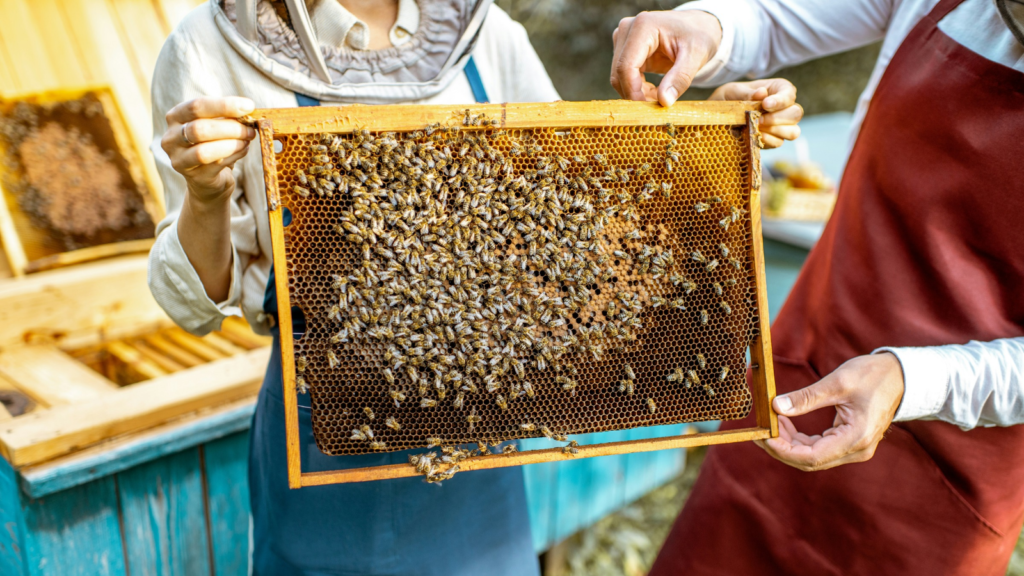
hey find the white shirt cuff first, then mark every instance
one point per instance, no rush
(925, 382)
(715, 72)
(186, 280)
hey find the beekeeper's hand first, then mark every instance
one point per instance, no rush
(778, 98)
(866, 392)
(204, 140)
(674, 43)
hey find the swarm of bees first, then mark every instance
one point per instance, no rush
(469, 272)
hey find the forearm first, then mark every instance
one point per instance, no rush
(975, 384)
(204, 231)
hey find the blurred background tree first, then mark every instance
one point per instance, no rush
(574, 39)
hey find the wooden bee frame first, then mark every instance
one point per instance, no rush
(28, 246)
(740, 118)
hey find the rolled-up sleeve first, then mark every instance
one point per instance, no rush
(174, 282)
(761, 36)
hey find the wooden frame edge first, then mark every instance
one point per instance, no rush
(392, 471)
(518, 115)
(284, 311)
(763, 374)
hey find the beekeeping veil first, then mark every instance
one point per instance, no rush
(283, 45)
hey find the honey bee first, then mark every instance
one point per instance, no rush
(427, 403)
(546, 432)
(378, 445)
(628, 371)
(627, 386)
(301, 363)
(301, 175)
(332, 359)
(620, 254)
(570, 386)
(300, 385)
(736, 213)
(711, 265)
(701, 207)
(527, 427)
(500, 401)
(393, 424)
(676, 375)
(473, 419)
(724, 223)
(710, 391)
(692, 376)
(388, 376)
(572, 449)
(715, 199)
(459, 400)
(698, 257)
(559, 437)
(670, 130)
(509, 449)
(725, 307)
(657, 301)
(678, 304)
(600, 159)
(397, 396)
(303, 192)
(369, 412)
(668, 165)
(717, 288)
(703, 316)
(651, 405)
(528, 389)
(433, 441)
(633, 235)
(701, 361)
(724, 373)
(666, 189)
(736, 263)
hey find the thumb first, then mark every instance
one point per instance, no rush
(678, 79)
(825, 392)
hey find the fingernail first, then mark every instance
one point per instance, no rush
(250, 133)
(783, 404)
(671, 94)
(245, 105)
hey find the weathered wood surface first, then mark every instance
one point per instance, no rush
(51, 377)
(60, 430)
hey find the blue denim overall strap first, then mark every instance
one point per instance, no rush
(476, 523)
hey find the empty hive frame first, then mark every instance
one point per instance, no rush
(516, 270)
(72, 180)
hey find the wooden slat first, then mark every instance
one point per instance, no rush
(90, 254)
(178, 354)
(537, 456)
(156, 357)
(12, 538)
(61, 52)
(75, 532)
(240, 333)
(13, 249)
(532, 115)
(142, 29)
(227, 489)
(26, 46)
(51, 377)
(175, 10)
(135, 360)
(46, 434)
(163, 512)
(193, 344)
(8, 82)
(77, 306)
(128, 451)
(226, 347)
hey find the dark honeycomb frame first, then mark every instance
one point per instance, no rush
(721, 156)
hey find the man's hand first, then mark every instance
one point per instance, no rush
(777, 97)
(866, 392)
(674, 43)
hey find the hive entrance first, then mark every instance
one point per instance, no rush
(471, 282)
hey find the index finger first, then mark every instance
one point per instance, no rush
(206, 107)
(637, 47)
(781, 94)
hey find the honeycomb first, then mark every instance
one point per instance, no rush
(464, 283)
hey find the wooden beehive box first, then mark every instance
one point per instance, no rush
(510, 271)
(101, 362)
(73, 184)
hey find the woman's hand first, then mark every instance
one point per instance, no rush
(777, 97)
(674, 43)
(866, 392)
(204, 140)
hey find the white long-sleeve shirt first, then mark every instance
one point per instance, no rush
(967, 384)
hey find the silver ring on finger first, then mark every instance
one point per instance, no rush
(184, 135)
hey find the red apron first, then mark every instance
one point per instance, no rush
(925, 247)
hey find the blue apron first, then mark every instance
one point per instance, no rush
(474, 524)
